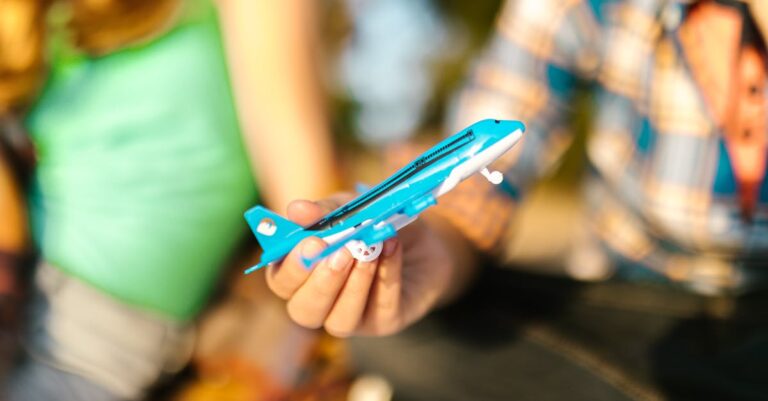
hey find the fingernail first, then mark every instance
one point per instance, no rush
(340, 261)
(390, 246)
(312, 248)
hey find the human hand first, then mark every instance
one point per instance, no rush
(350, 297)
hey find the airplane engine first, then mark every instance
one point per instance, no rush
(363, 252)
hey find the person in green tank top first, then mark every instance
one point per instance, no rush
(151, 126)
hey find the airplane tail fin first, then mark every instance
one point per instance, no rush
(269, 227)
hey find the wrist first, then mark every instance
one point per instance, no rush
(463, 263)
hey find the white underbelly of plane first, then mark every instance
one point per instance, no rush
(478, 162)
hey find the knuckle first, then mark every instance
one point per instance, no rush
(383, 330)
(366, 270)
(293, 278)
(386, 305)
(277, 287)
(334, 201)
(340, 326)
(302, 316)
(328, 205)
(338, 332)
(384, 327)
(322, 290)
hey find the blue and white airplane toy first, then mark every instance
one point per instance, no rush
(375, 216)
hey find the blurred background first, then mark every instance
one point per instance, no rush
(387, 70)
(135, 133)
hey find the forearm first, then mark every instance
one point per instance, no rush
(269, 47)
(298, 165)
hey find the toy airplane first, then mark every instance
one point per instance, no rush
(375, 216)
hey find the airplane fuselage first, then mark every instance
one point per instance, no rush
(405, 194)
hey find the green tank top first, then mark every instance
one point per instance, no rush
(142, 177)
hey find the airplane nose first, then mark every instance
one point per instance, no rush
(503, 128)
(511, 125)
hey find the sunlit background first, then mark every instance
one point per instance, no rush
(388, 70)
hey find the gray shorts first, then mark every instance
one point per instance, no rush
(82, 340)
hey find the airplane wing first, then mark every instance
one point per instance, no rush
(375, 230)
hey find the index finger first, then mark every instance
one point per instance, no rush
(285, 278)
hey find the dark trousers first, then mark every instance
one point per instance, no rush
(522, 337)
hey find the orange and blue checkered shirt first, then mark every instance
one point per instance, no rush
(663, 193)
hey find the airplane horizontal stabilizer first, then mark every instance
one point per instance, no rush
(328, 251)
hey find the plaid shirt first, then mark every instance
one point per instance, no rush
(663, 195)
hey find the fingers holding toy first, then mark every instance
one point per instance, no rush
(349, 296)
(337, 280)
(305, 212)
(338, 293)
(344, 318)
(335, 292)
(383, 311)
(285, 278)
(311, 303)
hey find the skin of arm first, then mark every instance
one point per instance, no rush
(13, 230)
(269, 49)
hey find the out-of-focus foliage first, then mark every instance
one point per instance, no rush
(476, 21)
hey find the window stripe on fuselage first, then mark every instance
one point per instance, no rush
(400, 177)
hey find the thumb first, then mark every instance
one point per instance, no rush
(305, 212)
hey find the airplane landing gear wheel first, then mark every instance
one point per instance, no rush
(363, 252)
